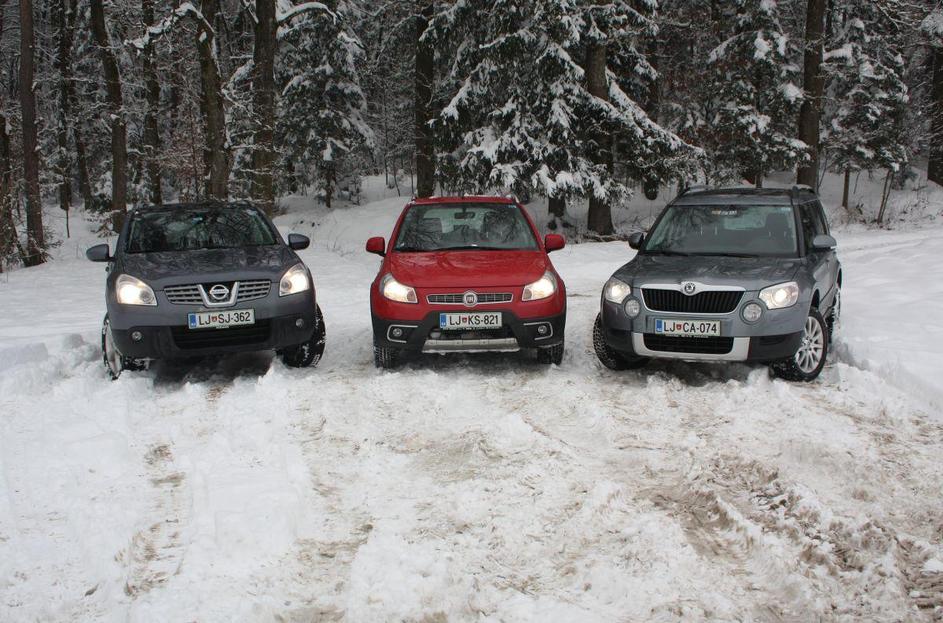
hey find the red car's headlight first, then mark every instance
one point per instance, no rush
(545, 287)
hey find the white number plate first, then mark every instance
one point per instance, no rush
(221, 319)
(489, 320)
(687, 328)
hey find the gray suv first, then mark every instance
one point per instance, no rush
(206, 279)
(727, 275)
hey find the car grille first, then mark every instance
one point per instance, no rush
(459, 299)
(188, 339)
(710, 302)
(693, 345)
(190, 294)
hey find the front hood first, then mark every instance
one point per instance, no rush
(205, 265)
(751, 273)
(468, 269)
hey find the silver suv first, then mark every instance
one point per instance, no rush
(727, 275)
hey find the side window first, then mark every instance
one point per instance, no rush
(820, 214)
(808, 220)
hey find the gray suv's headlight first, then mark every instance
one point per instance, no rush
(294, 280)
(132, 291)
(781, 295)
(616, 290)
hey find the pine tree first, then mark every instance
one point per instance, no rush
(756, 101)
(865, 123)
(321, 112)
(525, 115)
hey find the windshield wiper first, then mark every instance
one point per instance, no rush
(476, 247)
(729, 254)
(666, 252)
(408, 249)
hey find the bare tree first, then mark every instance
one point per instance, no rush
(599, 218)
(216, 155)
(263, 100)
(35, 236)
(151, 133)
(119, 129)
(425, 74)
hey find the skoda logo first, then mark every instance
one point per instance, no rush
(470, 299)
(688, 288)
(219, 292)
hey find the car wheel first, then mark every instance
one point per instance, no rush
(551, 354)
(609, 357)
(115, 362)
(807, 363)
(383, 357)
(309, 353)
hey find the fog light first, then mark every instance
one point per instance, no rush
(300, 323)
(752, 312)
(136, 336)
(396, 332)
(542, 329)
(632, 308)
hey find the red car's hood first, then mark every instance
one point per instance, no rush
(468, 269)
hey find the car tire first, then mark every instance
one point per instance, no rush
(307, 354)
(551, 354)
(115, 362)
(609, 357)
(809, 360)
(385, 358)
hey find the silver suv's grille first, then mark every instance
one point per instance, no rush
(190, 294)
(710, 302)
(459, 299)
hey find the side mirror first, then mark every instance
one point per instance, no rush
(636, 240)
(377, 245)
(298, 242)
(99, 253)
(823, 242)
(554, 242)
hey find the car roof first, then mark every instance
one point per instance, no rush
(734, 196)
(463, 199)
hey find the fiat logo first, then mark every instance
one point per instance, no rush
(470, 299)
(219, 292)
(688, 288)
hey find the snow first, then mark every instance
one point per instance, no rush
(475, 488)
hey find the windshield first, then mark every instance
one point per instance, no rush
(440, 227)
(738, 230)
(187, 229)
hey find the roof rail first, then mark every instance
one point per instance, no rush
(692, 188)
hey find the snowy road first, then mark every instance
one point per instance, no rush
(473, 489)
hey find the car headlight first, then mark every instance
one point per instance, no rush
(781, 295)
(616, 290)
(295, 280)
(132, 291)
(395, 291)
(543, 288)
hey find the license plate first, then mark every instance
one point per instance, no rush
(489, 320)
(221, 319)
(687, 328)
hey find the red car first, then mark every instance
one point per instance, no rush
(466, 274)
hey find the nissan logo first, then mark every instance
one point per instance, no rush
(219, 292)
(470, 299)
(688, 288)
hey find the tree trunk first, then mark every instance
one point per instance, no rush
(63, 64)
(813, 83)
(151, 133)
(556, 206)
(81, 160)
(425, 74)
(263, 104)
(35, 236)
(119, 130)
(7, 230)
(215, 151)
(885, 195)
(935, 166)
(600, 213)
(844, 192)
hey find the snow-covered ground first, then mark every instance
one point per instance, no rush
(472, 488)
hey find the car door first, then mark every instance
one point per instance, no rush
(823, 262)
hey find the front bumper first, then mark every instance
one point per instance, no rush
(425, 336)
(777, 335)
(164, 334)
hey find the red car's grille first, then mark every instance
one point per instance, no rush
(459, 299)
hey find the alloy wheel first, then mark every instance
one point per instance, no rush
(812, 348)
